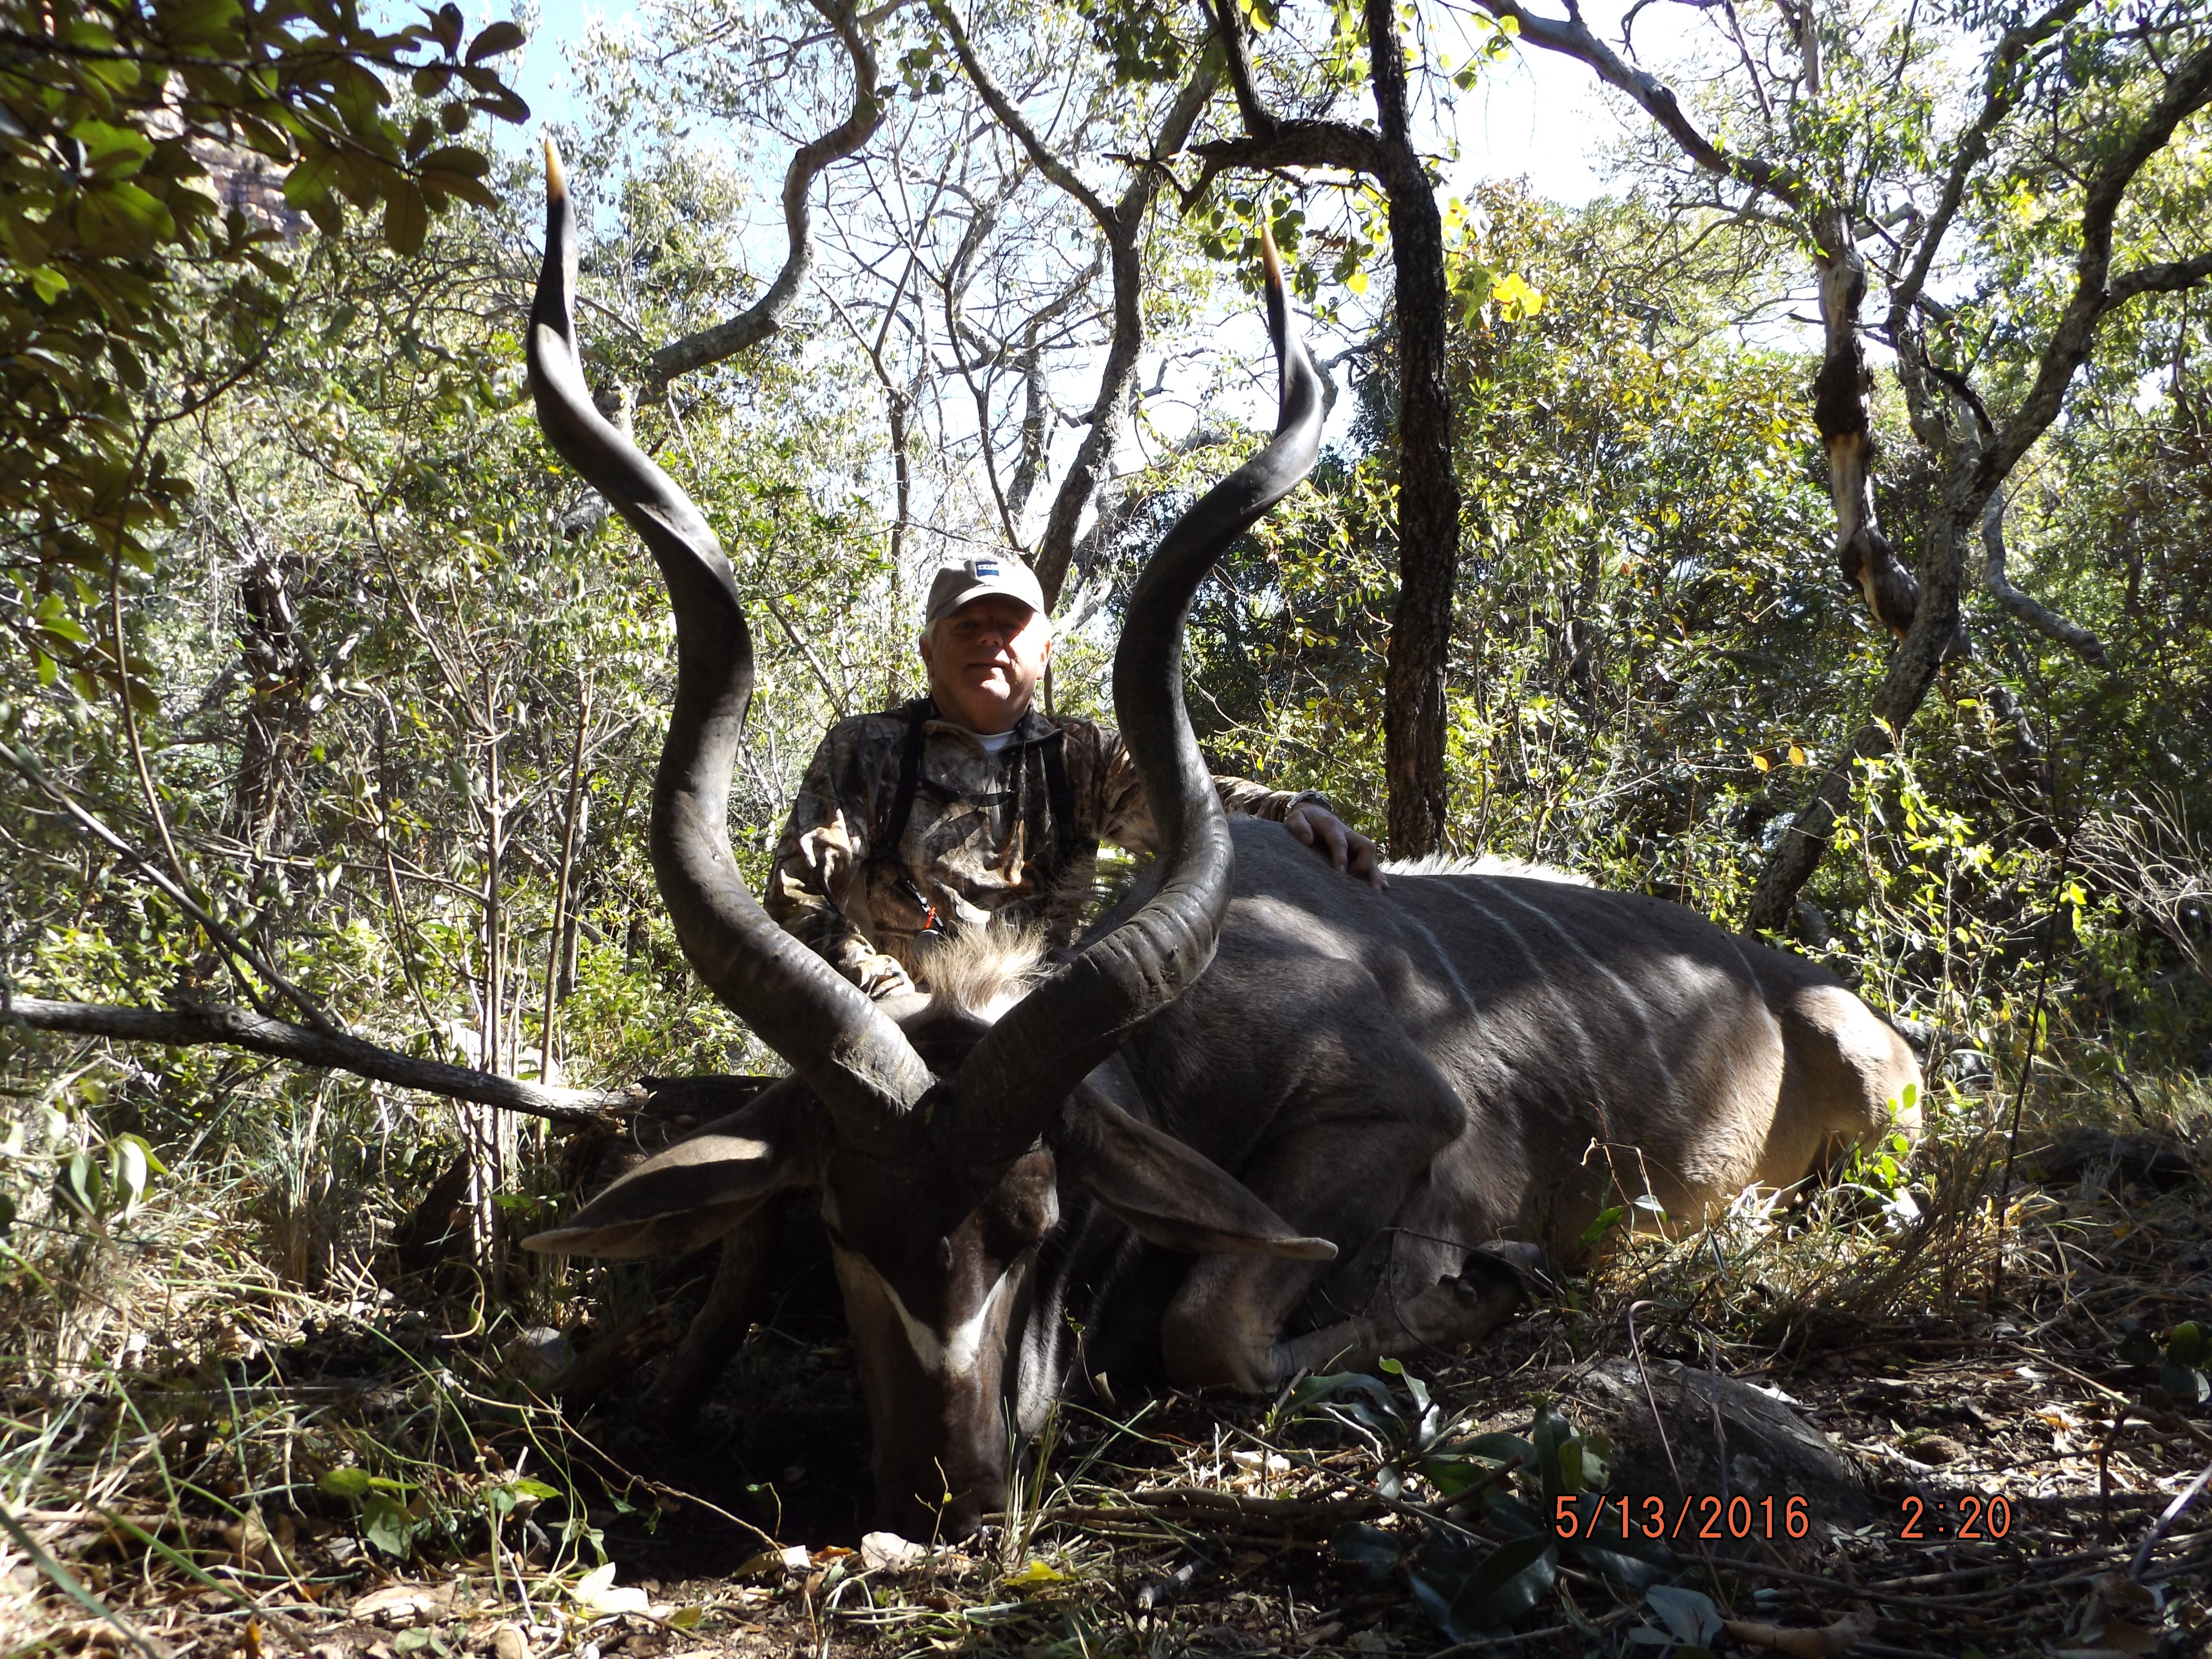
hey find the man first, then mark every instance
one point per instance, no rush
(969, 807)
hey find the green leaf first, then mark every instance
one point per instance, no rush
(385, 1524)
(495, 38)
(350, 1484)
(1559, 1453)
(1467, 1598)
(1607, 1219)
(406, 218)
(310, 182)
(78, 1185)
(127, 1170)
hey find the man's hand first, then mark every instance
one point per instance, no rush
(1347, 849)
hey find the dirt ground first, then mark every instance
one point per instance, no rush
(2058, 1404)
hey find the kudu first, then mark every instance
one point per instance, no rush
(1395, 1078)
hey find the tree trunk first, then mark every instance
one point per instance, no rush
(1920, 655)
(1841, 408)
(273, 745)
(1413, 714)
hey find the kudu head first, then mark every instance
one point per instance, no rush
(937, 1142)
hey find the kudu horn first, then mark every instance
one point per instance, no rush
(1024, 1067)
(848, 1051)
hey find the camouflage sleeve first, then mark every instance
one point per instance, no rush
(1125, 818)
(818, 877)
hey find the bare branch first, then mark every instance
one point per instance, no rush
(2001, 94)
(1014, 122)
(1258, 119)
(2037, 615)
(1571, 37)
(241, 1028)
(225, 940)
(758, 321)
(1109, 410)
(1300, 144)
(2167, 276)
(2187, 91)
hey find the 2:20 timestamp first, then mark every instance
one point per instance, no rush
(1703, 1516)
(1967, 1517)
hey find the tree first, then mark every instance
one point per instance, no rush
(479, 684)
(2046, 185)
(1428, 518)
(153, 157)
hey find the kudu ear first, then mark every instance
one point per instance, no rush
(1169, 1194)
(692, 1192)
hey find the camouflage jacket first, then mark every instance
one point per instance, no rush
(980, 845)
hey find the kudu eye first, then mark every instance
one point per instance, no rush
(944, 1254)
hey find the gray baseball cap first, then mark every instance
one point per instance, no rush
(973, 577)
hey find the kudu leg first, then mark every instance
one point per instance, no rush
(718, 1330)
(1447, 1316)
(1353, 1143)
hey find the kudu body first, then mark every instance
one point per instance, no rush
(1395, 1078)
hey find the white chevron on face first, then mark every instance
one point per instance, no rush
(953, 1355)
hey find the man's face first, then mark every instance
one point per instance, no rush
(985, 660)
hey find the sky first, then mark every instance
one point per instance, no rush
(1539, 115)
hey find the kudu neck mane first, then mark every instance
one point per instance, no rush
(1485, 864)
(981, 972)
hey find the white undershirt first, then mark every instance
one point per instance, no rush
(993, 741)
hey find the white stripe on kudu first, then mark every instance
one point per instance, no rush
(1629, 996)
(954, 1355)
(1569, 1016)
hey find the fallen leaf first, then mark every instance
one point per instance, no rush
(597, 1593)
(1823, 1642)
(507, 1642)
(1034, 1574)
(773, 1564)
(883, 1551)
(397, 1606)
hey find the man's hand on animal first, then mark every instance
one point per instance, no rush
(1337, 841)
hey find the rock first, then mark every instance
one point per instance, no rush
(1936, 1448)
(2086, 1153)
(538, 1354)
(507, 1642)
(1769, 1451)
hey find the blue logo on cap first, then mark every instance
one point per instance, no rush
(986, 567)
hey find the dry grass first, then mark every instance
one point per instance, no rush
(225, 1427)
